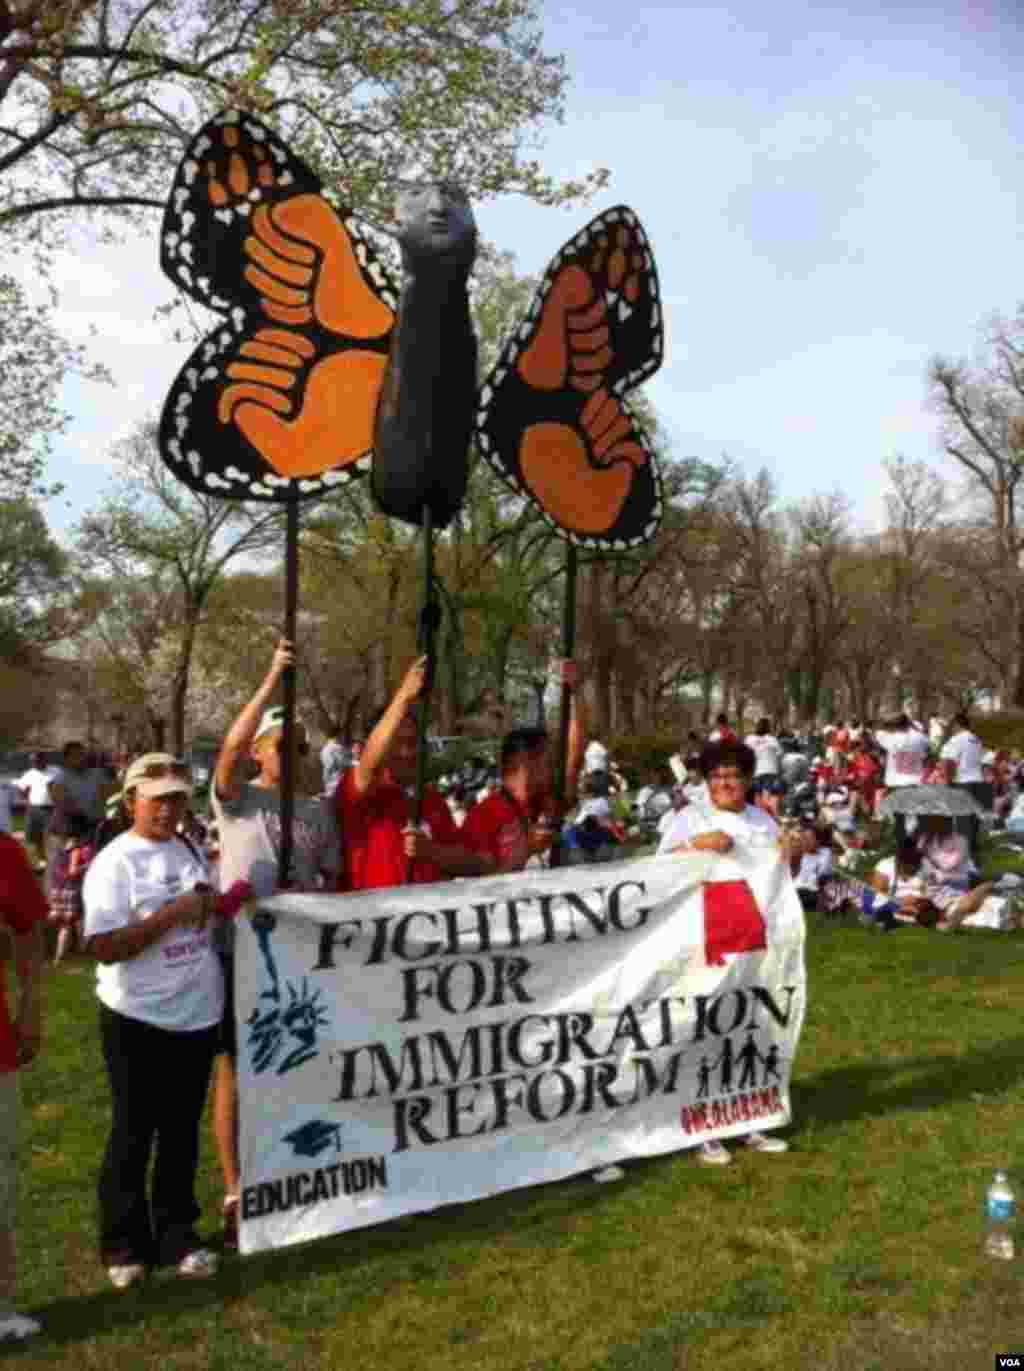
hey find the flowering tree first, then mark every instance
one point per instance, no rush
(98, 98)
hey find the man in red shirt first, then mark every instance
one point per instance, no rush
(722, 733)
(519, 819)
(374, 803)
(863, 772)
(23, 912)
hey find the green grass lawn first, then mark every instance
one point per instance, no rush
(859, 1249)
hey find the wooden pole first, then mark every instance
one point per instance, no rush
(565, 709)
(291, 602)
(426, 630)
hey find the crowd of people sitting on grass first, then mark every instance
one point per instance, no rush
(148, 890)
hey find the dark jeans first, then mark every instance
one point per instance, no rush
(158, 1080)
(983, 792)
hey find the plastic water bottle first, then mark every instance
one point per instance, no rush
(1000, 1208)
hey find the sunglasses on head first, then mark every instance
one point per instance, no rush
(158, 770)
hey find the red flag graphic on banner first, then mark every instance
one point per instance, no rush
(732, 921)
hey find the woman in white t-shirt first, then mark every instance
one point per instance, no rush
(159, 982)
(766, 748)
(906, 751)
(717, 827)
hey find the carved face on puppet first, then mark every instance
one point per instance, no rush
(435, 222)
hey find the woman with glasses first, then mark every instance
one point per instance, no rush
(248, 816)
(717, 826)
(160, 987)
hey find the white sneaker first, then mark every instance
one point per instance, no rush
(608, 1173)
(714, 1153)
(16, 1327)
(121, 1277)
(199, 1263)
(762, 1142)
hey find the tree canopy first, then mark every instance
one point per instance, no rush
(98, 98)
(34, 359)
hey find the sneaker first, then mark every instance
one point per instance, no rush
(16, 1327)
(608, 1173)
(714, 1153)
(125, 1274)
(762, 1142)
(198, 1264)
(229, 1235)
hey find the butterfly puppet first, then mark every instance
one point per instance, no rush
(281, 399)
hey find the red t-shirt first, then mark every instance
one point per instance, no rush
(22, 906)
(864, 769)
(373, 848)
(497, 828)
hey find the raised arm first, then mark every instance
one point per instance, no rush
(378, 744)
(235, 748)
(577, 732)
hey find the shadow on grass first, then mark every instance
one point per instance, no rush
(425, 1242)
(867, 1089)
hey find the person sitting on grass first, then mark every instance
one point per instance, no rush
(811, 864)
(595, 828)
(896, 892)
(949, 872)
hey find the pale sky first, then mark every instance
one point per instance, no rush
(832, 193)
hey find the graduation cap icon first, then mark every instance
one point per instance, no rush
(314, 1137)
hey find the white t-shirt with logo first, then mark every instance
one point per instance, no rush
(768, 752)
(905, 753)
(900, 887)
(751, 825)
(177, 982)
(966, 751)
(37, 783)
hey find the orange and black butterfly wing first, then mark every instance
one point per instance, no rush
(553, 419)
(279, 399)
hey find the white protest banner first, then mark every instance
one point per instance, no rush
(428, 1045)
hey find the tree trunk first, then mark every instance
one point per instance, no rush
(707, 682)
(603, 696)
(452, 704)
(158, 732)
(539, 687)
(349, 717)
(179, 685)
(1017, 694)
(625, 714)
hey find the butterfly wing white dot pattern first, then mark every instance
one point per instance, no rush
(234, 167)
(592, 333)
